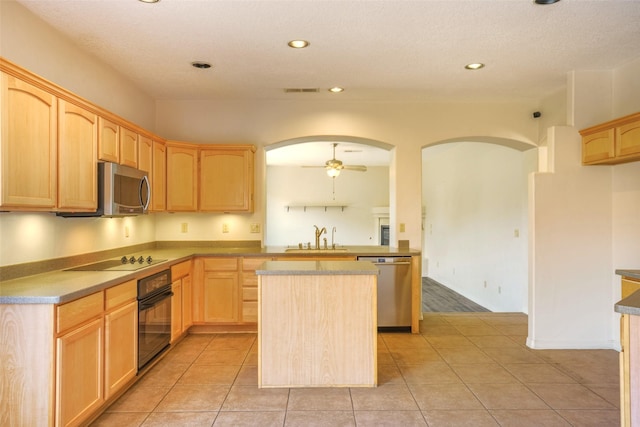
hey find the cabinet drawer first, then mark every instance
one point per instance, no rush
(251, 264)
(250, 294)
(180, 270)
(120, 294)
(249, 279)
(249, 311)
(221, 264)
(80, 310)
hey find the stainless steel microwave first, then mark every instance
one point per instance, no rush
(122, 191)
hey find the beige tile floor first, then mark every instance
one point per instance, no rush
(464, 369)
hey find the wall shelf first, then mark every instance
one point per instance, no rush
(304, 207)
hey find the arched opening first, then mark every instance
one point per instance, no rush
(475, 233)
(351, 206)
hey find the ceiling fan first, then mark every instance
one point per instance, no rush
(334, 166)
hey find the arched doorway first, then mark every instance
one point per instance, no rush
(475, 238)
(301, 194)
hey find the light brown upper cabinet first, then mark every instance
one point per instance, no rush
(182, 177)
(128, 147)
(226, 178)
(145, 156)
(28, 145)
(77, 145)
(117, 144)
(617, 141)
(159, 177)
(108, 140)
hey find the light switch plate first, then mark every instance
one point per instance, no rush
(255, 227)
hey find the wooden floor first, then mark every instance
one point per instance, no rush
(440, 299)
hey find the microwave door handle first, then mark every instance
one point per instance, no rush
(145, 204)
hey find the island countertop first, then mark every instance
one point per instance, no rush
(300, 268)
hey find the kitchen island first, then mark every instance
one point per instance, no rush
(317, 324)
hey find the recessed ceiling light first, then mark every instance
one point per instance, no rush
(474, 66)
(149, 1)
(545, 1)
(201, 65)
(298, 44)
(336, 89)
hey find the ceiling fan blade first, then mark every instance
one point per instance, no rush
(357, 168)
(309, 166)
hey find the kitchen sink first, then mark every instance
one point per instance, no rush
(315, 251)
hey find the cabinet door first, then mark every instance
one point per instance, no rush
(226, 180)
(145, 149)
(628, 140)
(121, 349)
(79, 373)
(598, 147)
(77, 147)
(220, 297)
(108, 140)
(182, 181)
(187, 303)
(159, 177)
(28, 145)
(128, 147)
(176, 310)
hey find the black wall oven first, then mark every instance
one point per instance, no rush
(154, 316)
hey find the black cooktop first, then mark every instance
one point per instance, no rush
(116, 265)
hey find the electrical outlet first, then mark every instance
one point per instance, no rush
(255, 227)
(485, 283)
(225, 228)
(499, 289)
(126, 231)
(402, 227)
(516, 233)
(184, 227)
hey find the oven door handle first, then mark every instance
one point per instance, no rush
(148, 303)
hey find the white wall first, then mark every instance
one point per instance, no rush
(355, 225)
(408, 127)
(476, 202)
(26, 237)
(32, 44)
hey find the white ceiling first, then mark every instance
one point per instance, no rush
(388, 50)
(376, 49)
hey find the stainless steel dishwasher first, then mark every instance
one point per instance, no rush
(394, 292)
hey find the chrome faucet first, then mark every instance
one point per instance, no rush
(333, 231)
(319, 232)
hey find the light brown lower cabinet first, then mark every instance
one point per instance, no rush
(121, 347)
(181, 301)
(79, 373)
(61, 364)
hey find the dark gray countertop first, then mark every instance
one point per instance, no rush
(310, 268)
(634, 274)
(60, 286)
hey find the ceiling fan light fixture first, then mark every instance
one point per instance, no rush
(474, 66)
(333, 172)
(545, 1)
(298, 44)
